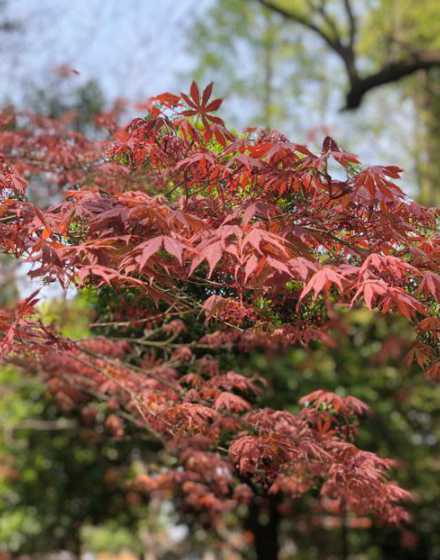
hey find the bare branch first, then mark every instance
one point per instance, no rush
(352, 23)
(390, 73)
(44, 425)
(329, 21)
(298, 18)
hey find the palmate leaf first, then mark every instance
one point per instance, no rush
(430, 285)
(199, 105)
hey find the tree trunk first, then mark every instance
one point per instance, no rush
(263, 522)
(344, 536)
(77, 545)
(427, 101)
(268, 48)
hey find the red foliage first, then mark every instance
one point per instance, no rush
(249, 231)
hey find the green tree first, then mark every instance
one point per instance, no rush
(380, 44)
(59, 97)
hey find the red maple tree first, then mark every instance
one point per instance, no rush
(204, 242)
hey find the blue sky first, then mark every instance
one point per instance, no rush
(134, 47)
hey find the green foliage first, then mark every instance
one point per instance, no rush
(72, 317)
(85, 101)
(392, 27)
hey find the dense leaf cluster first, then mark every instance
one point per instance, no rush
(198, 242)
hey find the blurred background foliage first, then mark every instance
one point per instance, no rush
(64, 477)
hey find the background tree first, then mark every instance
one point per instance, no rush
(393, 40)
(61, 98)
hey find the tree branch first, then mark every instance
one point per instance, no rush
(389, 73)
(43, 425)
(298, 18)
(328, 20)
(359, 86)
(352, 23)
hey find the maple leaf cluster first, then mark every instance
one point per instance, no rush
(204, 242)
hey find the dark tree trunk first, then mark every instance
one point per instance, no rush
(75, 544)
(263, 522)
(426, 96)
(344, 538)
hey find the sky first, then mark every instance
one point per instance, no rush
(135, 48)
